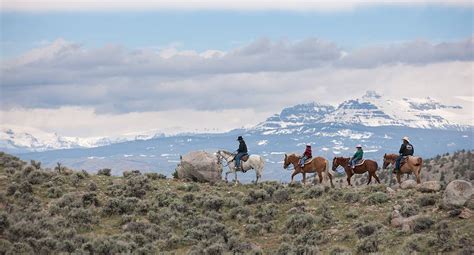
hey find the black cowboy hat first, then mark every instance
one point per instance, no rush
(240, 138)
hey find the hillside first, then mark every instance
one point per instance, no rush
(66, 211)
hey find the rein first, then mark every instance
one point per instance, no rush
(227, 159)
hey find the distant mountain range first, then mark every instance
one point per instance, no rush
(376, 122)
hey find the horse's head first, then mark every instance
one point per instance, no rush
(335, 164)
(286, 162)
(387, 160)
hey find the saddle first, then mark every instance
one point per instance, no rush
(359, 162)
(403, 161)
(307, 161)
(244, 158)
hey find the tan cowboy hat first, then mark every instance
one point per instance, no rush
(359, 146)
(406, 138)
(308, 145)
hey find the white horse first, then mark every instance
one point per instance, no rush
(254, 162)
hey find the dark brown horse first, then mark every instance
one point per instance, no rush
(317, 165)
(413, 165)
(369, 166)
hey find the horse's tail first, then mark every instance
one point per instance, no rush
(376, 165)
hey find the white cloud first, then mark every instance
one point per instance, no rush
(128, 5)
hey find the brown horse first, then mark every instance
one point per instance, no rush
(412, 165)
(315, 165)
(369, 166)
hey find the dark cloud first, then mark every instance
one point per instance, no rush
(115, 79)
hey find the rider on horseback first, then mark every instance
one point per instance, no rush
(358, 155)
(241, 151)
(306, 155)
(405, 150)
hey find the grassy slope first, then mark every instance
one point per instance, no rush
(333, 220)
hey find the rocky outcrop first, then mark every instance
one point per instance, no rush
(408, 184)
(430, 186)
(457, 193)
(199, 166)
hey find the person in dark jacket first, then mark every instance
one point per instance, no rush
(306, 155)
(358, 155)
(406, 149)
(241, 151)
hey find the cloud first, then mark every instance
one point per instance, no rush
(141, 5)
(260, 75)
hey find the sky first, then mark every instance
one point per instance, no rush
(106, 68)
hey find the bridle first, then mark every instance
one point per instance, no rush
(226, 158)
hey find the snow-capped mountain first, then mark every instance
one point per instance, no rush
(21, 139)
(371, 110)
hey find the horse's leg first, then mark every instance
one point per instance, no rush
(320, 175)
(398, 177)
(376, 177)
(293, 175)
(349, 175)
(330, 179)
(226, 173)
(304, 178)
(417, 174)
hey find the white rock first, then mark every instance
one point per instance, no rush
(457, 193)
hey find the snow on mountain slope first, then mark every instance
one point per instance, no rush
(374, 110)
(313, 119)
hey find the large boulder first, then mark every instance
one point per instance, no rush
(457, 193)
(408, 184)
(199, 166)
(430, 186)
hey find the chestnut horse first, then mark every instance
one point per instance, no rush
(315, 165)
(412, 165)
(369, 166)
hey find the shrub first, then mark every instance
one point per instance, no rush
(12, 188)
(408, 210)
(239, 213)
(422, 223)
(4, 222)
(155, 176)
(299, 222)
(105, 171)
(377, 198)
(266, 213)
(284, 249)
(92, 186)
(82, 217)
(213, 203)
(37, 177)
(368, 245)
(25, 187)
(351, 197)
(20, 248)
(312, 237)
(281, 196)
(253, 229)
(188, 198)
(426, 200)
(131, 173)
(231, 202)
(120, 205)
(313, 192)
(89, 199)
(137, 186)
(256, 196)
(54, 192)
(5, 246)
(365, 230)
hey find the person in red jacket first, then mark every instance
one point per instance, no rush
(306, 155)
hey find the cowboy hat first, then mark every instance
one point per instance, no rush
(308, 145)
(359, 146)
(240, 138)
(406, 138)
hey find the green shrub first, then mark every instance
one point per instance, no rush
(313, 192)
(422, 223)
(239, 213)
(351, 197)
(155, 176)
(256, 196)
(213, 203)
(365, 230)
(4, 222)
(281, 196)
(368, 245)
(377, 198)
(105, 171)
(54, 192)
(299, 222)
(426, 200)
(408, 210)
